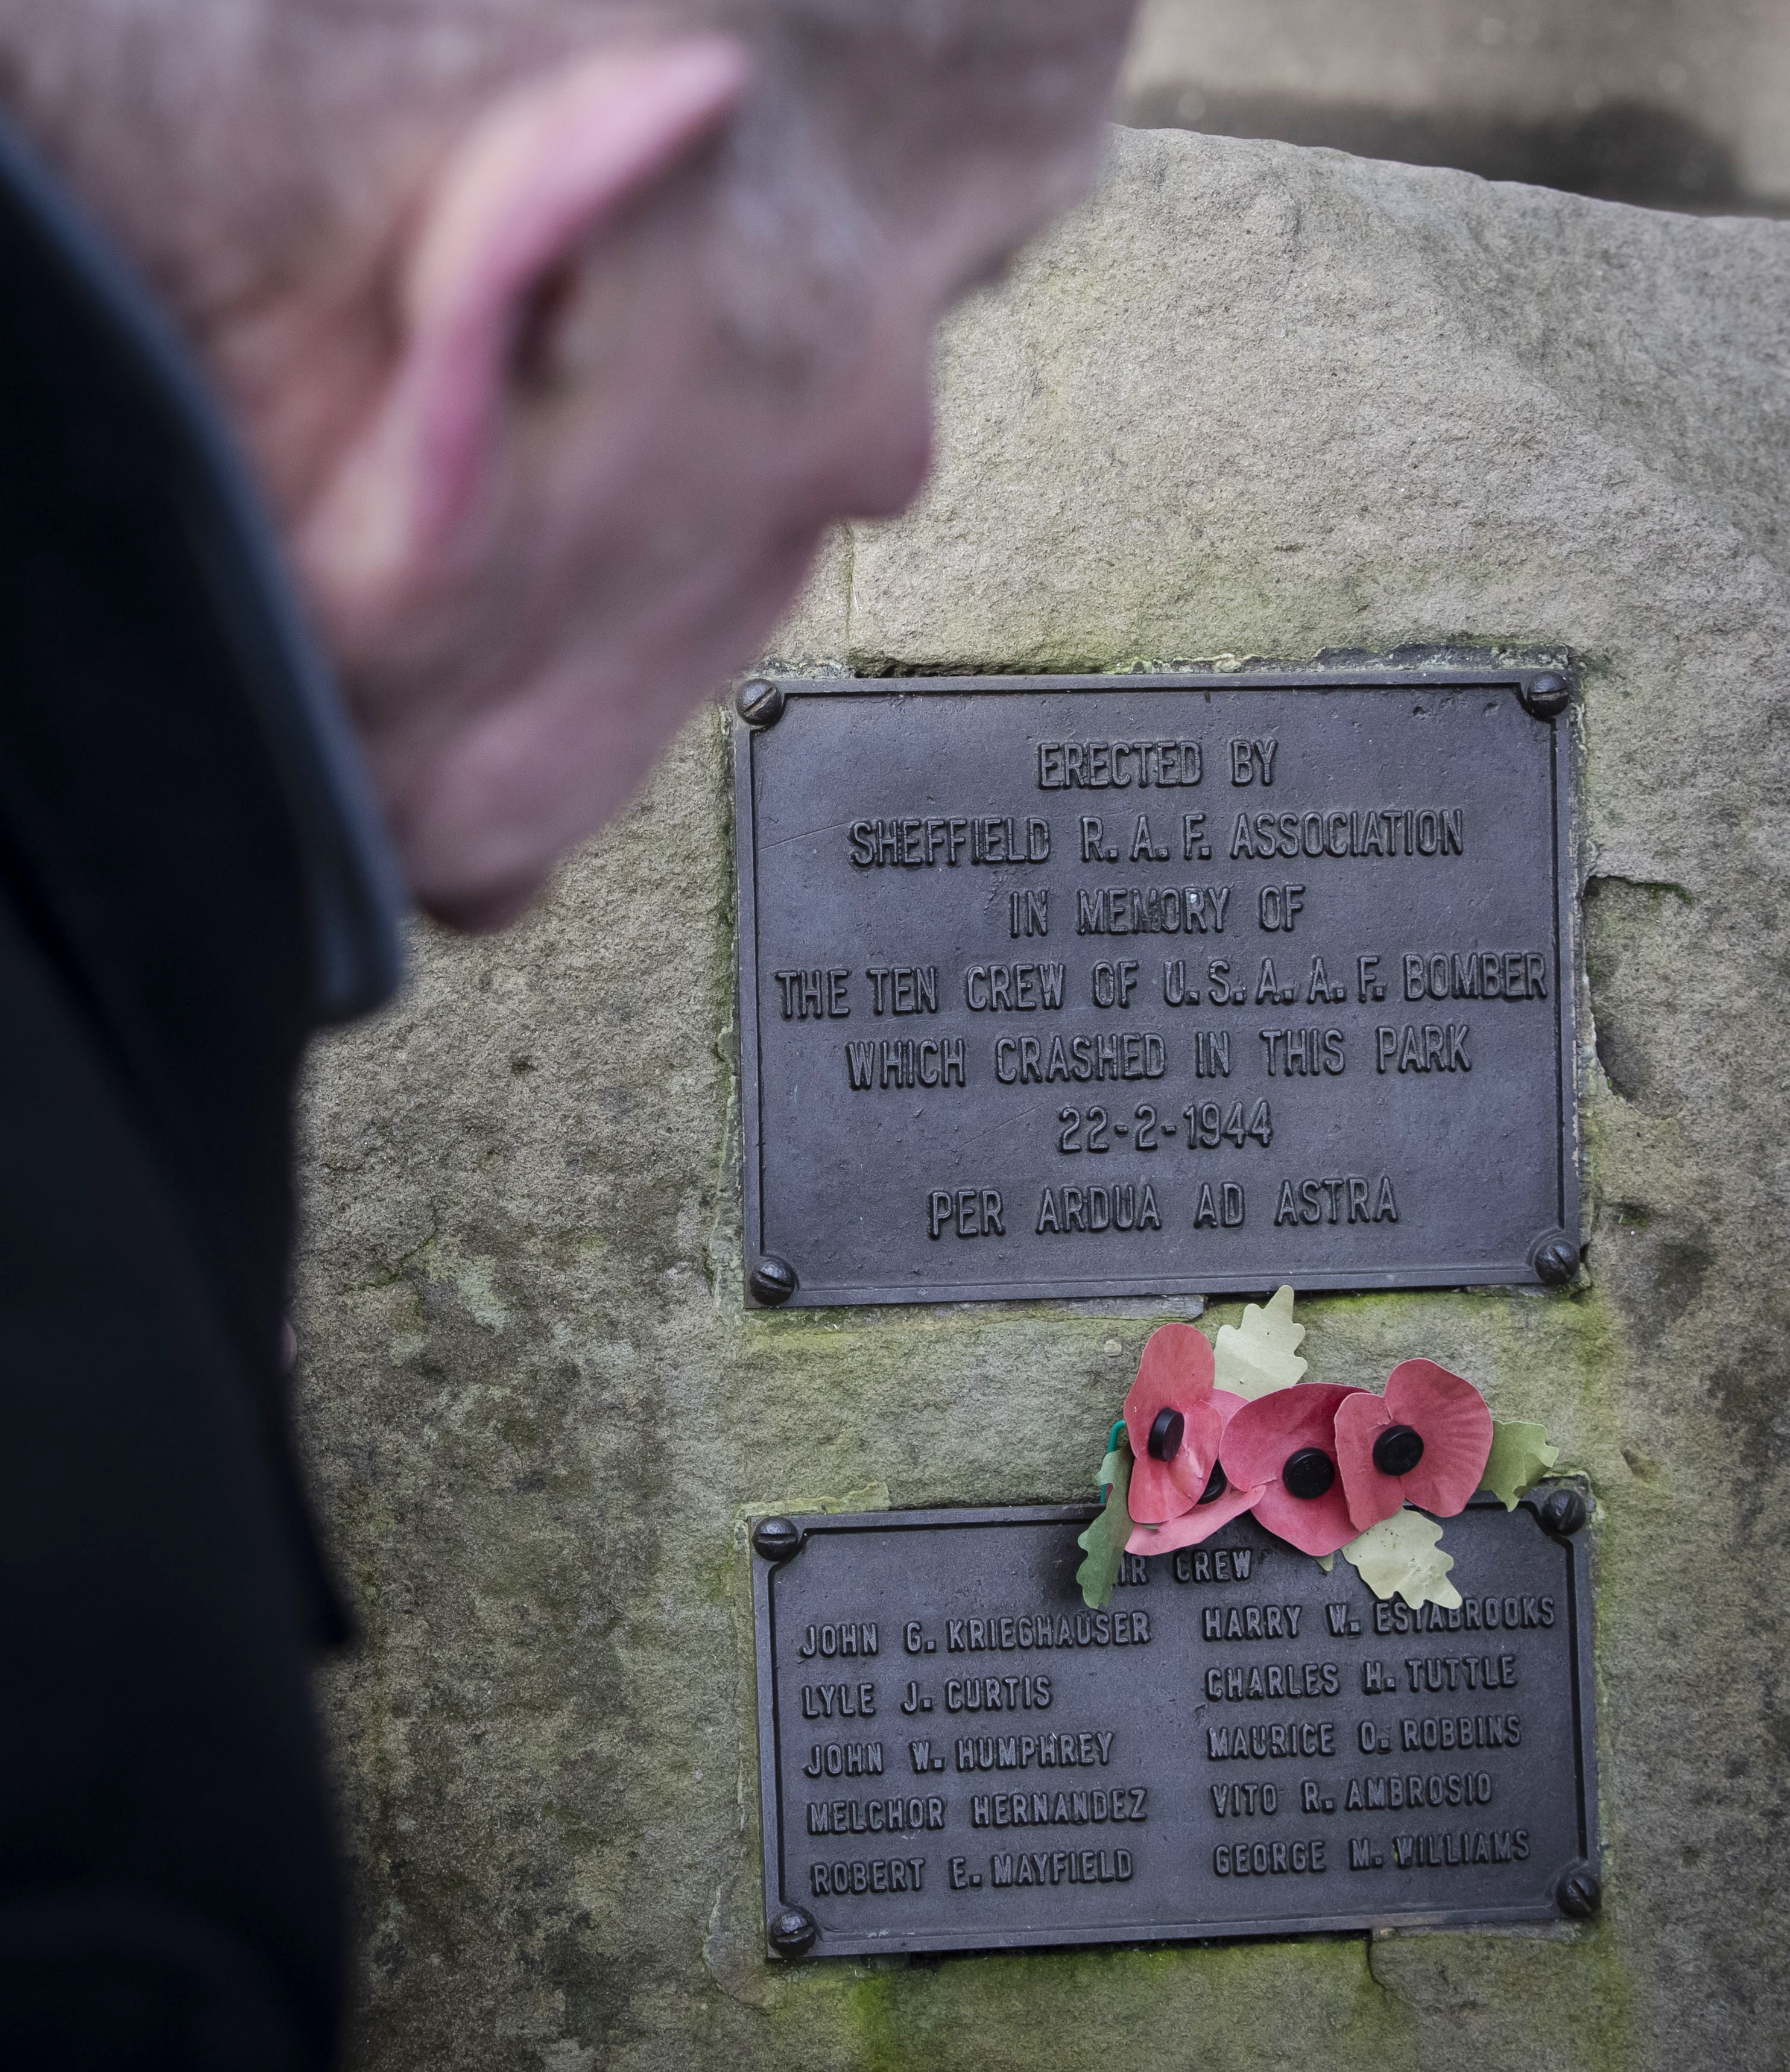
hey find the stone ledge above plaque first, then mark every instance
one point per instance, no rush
(956, 1753)
(1109, 986)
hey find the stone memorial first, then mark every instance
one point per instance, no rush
(1257, 418)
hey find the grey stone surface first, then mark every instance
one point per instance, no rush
(1252, 401)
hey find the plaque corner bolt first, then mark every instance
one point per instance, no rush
(759, 701)
(792, 1932)
(1556, 1261)
(773, 1281)
(776, 1539)
(1579, 1893)
(1546, 695)
(1563, 1511)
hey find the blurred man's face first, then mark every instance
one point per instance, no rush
(680, 442)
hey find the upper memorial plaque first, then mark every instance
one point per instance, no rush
(1133, 986)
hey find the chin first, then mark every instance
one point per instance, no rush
(480, 910)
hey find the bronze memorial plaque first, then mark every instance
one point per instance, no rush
(1128, 985)
(956, 1754)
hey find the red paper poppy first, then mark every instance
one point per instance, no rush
(1172, 1425)
(1220, 1502)
(1286, 1443)
(1426, 1442)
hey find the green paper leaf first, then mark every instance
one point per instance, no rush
(1327, 1562)
(1106, 1536)
(1402, 1556)
(1261, 1354)
(1520, 1457)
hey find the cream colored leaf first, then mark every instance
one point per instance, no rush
(1402, 1556)
(1261, 1354)
(1520, 1457)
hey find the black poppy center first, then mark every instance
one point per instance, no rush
(1216, 1486)
(1166, 1435)
(1398, 1450)
(1308, 1473)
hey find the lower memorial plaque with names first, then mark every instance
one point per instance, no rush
(957, 1753)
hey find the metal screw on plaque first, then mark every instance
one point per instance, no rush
(792, 1933)
(1562, 1511)
(759, 702)
(1557, 1261)
(771, 1281)
(776, 1539)
(1579, 1894)
(1546, 695)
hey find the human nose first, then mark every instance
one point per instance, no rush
(886, 438)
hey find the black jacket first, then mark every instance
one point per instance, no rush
(191, 880)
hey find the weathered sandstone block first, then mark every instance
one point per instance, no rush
(1252, 401)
